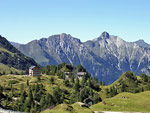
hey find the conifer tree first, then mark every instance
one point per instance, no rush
(42, 103)
(23, 97)
(77, 84)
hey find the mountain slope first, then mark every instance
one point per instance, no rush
(106, 57)
(14, 43)
(142, 43)
(11, 57)
(122, 102)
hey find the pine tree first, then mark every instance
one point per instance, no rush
(72, 78)
(89, 83)
(52, 80)
(103, 84)
(83, 81)
(91, 92)
(96, 98)
(57, 95)
(111, 92)
(49, 100)
(27, 104)
(77, 84)
(30, 95)
(32, 110)
(42, 103)
(66, 82)
(23, 97)
(106, 92)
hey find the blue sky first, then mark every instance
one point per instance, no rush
(25, 20)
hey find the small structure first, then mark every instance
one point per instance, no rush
(88, 101)
(81, 74)
(34, 71)
(67, 75)
(82, 104)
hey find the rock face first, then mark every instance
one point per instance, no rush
(106, 57)
(142, 44)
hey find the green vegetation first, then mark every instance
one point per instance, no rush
(130, 102)
(128, 82)
(35, 94)
(60, 88)
(124, 102)
(67, 108)
(8, 70)
(119, 96)
(30, 94)
(13, 58)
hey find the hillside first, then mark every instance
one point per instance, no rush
(12, 58)
(8, 70)
(124, 102)
(105, 57)
(130, 93)
(61, 92)
(128, 82)
(35, 94)
(139, 102)
(65, 108)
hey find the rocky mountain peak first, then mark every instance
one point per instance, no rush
(142, 43)
(105, 35)
(65, 35)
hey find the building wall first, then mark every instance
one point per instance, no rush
(34, 72)
(30, 72)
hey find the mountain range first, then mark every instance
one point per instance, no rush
(105, 57)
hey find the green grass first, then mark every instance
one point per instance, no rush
(65, 108)
(44, 79)
(7, 70)
(61, 108)
(79, 109)
(139, 102)
(5, 50)
(19, 80)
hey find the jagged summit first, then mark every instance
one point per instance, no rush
(65, 34)
(105, 35)
(61, 36)
(142, 43)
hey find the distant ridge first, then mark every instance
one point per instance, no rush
(142, 43)
(106, 57)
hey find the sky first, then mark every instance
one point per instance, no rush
(25, 20)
